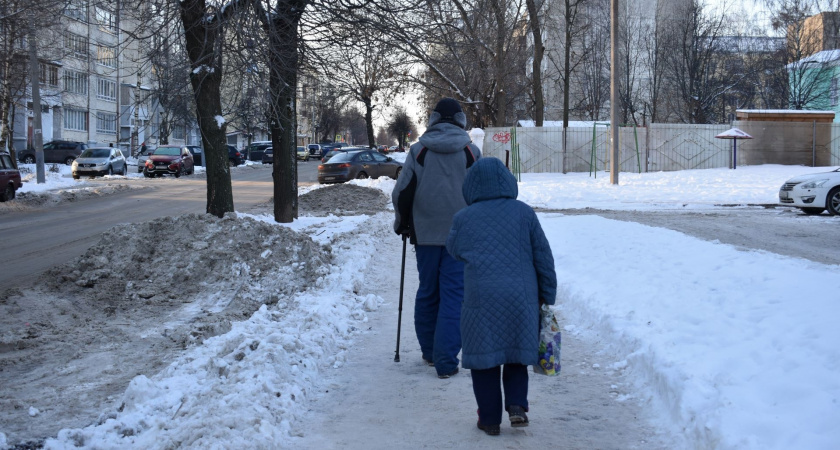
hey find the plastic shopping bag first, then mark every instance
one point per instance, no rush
(549, 353)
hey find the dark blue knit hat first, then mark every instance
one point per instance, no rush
(448, 110)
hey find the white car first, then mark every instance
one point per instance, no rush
(99, 161)
(813, 193)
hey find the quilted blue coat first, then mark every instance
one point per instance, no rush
(508, 268)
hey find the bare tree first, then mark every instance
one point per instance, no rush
(401, 126)
(534, 18)
(366, 71)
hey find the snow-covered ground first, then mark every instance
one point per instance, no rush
(726, 348)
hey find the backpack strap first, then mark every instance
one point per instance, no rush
(470, 157)
(421, 156)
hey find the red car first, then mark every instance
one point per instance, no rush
(9, 178)
(169, 159)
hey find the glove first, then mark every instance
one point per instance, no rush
(404, 230)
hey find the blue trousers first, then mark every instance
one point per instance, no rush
(437, 306)
(488, 394)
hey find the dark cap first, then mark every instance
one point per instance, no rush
(448, 107)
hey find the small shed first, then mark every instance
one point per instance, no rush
(782, 136)
(784, 115)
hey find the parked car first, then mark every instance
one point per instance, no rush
(382, 149)
(256, 149)
(197, 154)
(235, 158)
(99, 161)
(268, 156)
(314, 151)
(9, 178)
(350, 165)
(336, 151)
(54, 152)
(302, 153)
(813, 193)
(169, 159)
(142, 157)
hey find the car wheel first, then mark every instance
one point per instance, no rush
(231, 163)
(69, 160)
(361, 176)
(75, 177)
(8, 193)
(29, 159)
(110, 171)
(812, 211)
(178, 172)
(832, 201)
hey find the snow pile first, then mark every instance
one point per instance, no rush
(247, 388)
(688, 189)
(737, 348)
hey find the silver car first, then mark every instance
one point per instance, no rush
(99, 161)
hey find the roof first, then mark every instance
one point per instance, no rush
(828, 57)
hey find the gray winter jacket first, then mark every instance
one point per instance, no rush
(508, 269)
(428, 191)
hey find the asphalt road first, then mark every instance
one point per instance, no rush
(35, 240)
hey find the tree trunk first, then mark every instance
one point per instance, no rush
(567, 61)
(369, 122)
(204, 50)
(283, 64)
(539, 50)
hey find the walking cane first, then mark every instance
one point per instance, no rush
(399, 319)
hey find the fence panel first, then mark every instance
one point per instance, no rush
(687, 146)
(834, 145)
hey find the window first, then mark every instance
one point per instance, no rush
(77, 9)
(106, 123)
(75, 119)
(106, 89)
(106, 19)
(49, 74)
(178, 132)
(76, 82)
(106, 56)
(77, 45)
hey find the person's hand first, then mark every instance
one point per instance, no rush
(404, 230)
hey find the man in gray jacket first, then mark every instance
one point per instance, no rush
(426, 197)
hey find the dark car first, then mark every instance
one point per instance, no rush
(335, 151)
(314, 151)
(9, 178)
(256, 150)
(235, 157)
(169, 159)
(54, 152)
(268, 155)
(197, 154)
(353, 164)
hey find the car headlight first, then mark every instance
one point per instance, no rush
(813, 184)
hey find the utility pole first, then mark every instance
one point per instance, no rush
(614, 61)
(37, 131)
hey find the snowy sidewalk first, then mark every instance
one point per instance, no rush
(373, 402)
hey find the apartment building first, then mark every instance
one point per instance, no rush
(95, 86)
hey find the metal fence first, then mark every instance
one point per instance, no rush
(834, 144)
(659, 147)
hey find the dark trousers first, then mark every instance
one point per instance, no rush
(488, 393)
(437, 307)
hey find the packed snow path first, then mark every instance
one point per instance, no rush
(373, 402)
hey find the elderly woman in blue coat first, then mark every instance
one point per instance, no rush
(508, 273)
